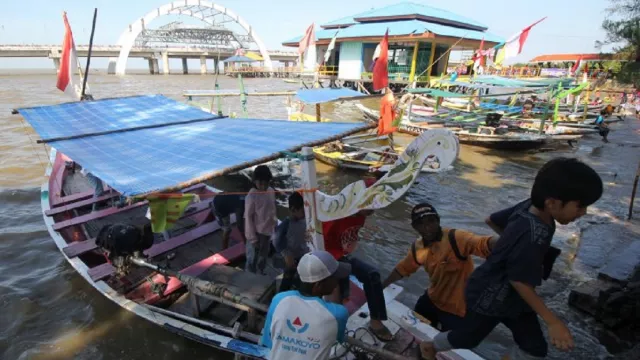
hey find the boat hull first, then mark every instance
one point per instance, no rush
(500, 142)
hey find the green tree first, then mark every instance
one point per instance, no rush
(622, 26)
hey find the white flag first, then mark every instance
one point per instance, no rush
(332, 44)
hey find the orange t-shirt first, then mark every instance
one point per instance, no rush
(447, 273)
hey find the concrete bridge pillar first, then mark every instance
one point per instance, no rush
(216, 70)
(165, 63)
(56, 63)
(154, 68)
(185, 68)
(203, 65)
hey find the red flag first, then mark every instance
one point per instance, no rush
(307, 40)
(68, 62)
(478, 57)
(576, 66)
(385, 123)
(380, 71)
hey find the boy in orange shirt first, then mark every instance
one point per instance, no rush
(445, 255)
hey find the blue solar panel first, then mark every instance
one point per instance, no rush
(87, 117)
(145, 160)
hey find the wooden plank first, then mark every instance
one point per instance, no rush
(95, 215)
(106, 212)
(79, 204)
(79, 248)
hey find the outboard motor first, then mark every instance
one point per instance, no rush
(120, 241)
(493, 119)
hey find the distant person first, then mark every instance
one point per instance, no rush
(341, 238)
(445, 254)
(603, 128)
(223, 205)
(300, 324)
(260, 219)
(291, 240)
(502, 289)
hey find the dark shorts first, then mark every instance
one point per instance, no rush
(525, 329)
(223, 221)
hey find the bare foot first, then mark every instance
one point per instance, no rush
(427, 350)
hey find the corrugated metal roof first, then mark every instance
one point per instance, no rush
(397, 28)
(407, 8)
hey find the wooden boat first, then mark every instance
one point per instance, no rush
(492, 137)
(199, 299)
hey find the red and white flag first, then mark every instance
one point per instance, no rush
(380, 70)
(514, 45)
(239, 52)
(478, 57)
(332, 44)
(67, 83)
(309, 39)
(577, 65)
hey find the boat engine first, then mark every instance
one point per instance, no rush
(120, 241)
(493, 119)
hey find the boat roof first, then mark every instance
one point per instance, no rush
(320, 95)
(507, 82)
(437, 93)
(144, 144)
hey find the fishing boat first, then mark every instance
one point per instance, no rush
(499, 138)
(182, 280)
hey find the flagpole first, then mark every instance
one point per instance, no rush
(86, 72)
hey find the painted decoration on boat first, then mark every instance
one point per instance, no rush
(437, 148)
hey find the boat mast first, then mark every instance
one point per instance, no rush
(310, 185)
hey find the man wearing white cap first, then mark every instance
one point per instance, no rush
(300, 324)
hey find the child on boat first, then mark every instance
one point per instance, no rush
(502, 290)
(445, 254)
(260, 219)
(603, 128)
(291, 240)
(300, 324)
(223, 206)
(341, 238)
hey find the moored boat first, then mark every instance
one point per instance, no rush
(206, 298)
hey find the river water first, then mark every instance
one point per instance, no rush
(49, 312)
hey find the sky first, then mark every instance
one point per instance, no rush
(572, 26)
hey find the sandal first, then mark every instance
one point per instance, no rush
(383, 334)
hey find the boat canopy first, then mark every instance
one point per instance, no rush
(437, 93)
(463, 84)
(516, 83)
(320, 96)
(144, 144)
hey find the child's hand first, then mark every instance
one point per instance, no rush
(560, 336)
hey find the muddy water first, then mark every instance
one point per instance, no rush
(49, 312)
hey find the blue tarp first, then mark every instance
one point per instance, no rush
(319, 96)
(152, 159)
(78, 118)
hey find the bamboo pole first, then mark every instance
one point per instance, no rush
(633, 192)
(268, 93)
(71, 137)
(258, 161)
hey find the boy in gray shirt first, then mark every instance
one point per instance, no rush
(290, 239)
